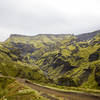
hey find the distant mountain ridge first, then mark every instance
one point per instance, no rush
(81, 37)
(86, 36)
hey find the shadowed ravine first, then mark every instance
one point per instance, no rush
(67, 95)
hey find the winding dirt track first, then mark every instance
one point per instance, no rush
(67, 95)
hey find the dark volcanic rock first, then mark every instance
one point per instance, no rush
(23, 48)
(84, 76)
(98, 49)
(78, 58)
(97, 75)
(66, 81)
(67, 67)
(58, 62)
(94, 56)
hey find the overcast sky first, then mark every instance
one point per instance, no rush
(30, 17)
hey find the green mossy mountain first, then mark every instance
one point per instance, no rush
(70, 60)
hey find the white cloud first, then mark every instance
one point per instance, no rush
(30, 17)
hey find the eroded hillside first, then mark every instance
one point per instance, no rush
(64, 59)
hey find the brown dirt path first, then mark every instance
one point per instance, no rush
(67, 95)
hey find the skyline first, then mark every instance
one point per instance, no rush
(31, 17)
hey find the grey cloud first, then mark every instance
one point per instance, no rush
(35, 21)
(16, 16)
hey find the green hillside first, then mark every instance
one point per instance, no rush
(10, 89)
(66, 60)
(11, 65)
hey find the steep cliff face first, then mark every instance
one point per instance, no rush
(66, 59)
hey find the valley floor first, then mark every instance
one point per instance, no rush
(58, 93)
(54, 94)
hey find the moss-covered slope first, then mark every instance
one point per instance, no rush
(65, 59)
(11, 65)
(10, 89)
